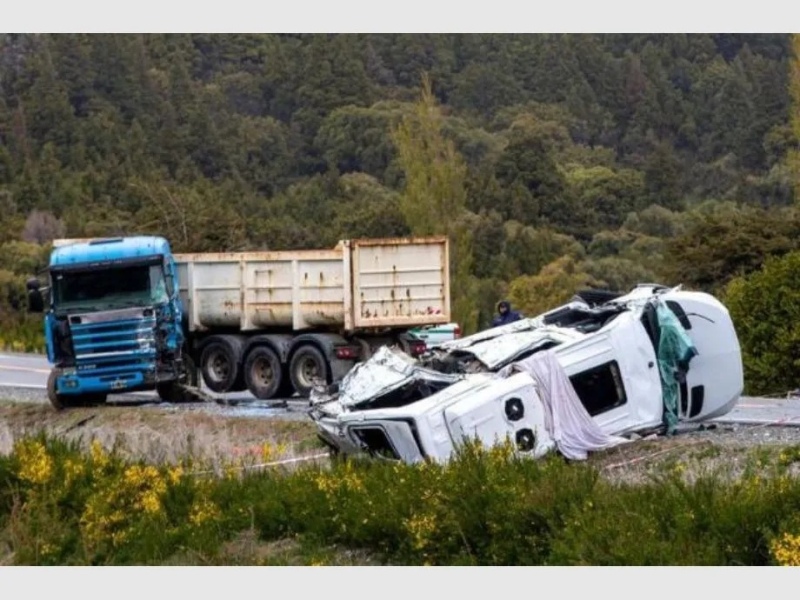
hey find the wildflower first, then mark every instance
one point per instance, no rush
(35, 464)
(421, 528)
(786, 550)
(203, 511)
(72, 470)
(174, 474)
(99, 456)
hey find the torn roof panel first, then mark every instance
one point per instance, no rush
(385, 371)
(496, 352)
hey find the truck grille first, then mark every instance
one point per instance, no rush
(111, 346)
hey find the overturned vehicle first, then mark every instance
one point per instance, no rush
(576, 379)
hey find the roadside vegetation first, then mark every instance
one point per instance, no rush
(61, 504)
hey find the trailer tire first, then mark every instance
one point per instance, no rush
(219, 364)
(307, 363)
(263, 372)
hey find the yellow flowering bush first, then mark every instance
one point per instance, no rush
(785, 550)
(35, 464)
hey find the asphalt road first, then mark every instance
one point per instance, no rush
(29, 372)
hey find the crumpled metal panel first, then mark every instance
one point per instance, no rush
(385, 371)
(500, 350)
(487, 334)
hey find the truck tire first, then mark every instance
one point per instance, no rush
(56, 399)
(94, 399)
(219, 364)
(307, 363)
(169, 391)
(263, 373)
(174, 391)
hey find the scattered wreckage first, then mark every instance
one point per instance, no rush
(576, 379)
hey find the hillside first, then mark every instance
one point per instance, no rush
(575, 159)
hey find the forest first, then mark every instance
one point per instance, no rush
(553, 162)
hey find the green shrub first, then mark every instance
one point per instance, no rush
(765, 308)
(486, 507)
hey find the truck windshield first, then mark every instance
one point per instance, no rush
(109, 288)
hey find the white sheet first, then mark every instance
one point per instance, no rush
(568, 422)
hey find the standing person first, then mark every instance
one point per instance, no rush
(505, 315)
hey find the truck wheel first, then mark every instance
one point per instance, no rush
(56, 399)
(219, 364)
(94, 399)
(262, 372)
(170, 391)
(307, 364)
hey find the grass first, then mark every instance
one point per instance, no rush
(63, 504)
(159, 435)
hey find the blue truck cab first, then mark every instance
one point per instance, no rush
(113, 320)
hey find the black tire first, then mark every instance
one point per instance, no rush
(60, 402)
(263, 373)
(56, 399)
(169, 391)
(173, 391)
(94, 399)
(307, 362)
(219, 364)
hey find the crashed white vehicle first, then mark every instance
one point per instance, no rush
(575, 379)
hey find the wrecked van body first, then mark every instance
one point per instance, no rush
(575, 379)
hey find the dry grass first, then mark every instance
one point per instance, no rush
(159, 435)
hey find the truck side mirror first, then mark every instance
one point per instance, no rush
(35, 298)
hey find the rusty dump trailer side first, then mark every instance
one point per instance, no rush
(358, 286)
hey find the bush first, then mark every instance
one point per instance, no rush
(21, 332)
(59, 505)
(765, 308)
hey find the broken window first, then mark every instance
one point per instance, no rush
(600, 388)
(376, 442)
(585, 320)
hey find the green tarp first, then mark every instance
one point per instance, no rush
(675, 350)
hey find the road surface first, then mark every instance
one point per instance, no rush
(29, 371)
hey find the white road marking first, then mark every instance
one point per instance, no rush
(26, 369)
(33, 386)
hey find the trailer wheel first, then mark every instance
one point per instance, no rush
(307, 364)
(56, 399)
(263, 373)
(219, 364)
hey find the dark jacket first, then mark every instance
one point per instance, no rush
(505, 318)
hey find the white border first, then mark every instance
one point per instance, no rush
(409, 16)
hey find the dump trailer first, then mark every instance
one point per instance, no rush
(126, 314)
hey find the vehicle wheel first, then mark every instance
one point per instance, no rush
(56, 399)
(263, 374)
(307, 364)
(219, 364)
(169, 391)
(190, 370)
(92, 399)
